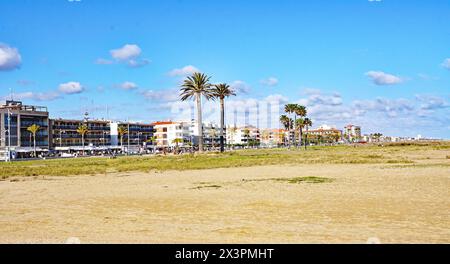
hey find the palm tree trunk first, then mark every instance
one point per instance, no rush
(222, 124)
(34, 144)
(295, 123)
(199, 122)
(306, 137)
(301, 136)
(82, 143)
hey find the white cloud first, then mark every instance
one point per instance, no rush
(136, 63)
(165, 95)
(271, 81)
(317, 97)
(127, 52)
(47, 96)
(101, 61)
(276, 98)
(10, 58)
(240, 87)
(382, 78)
(186, 70)
(71, 88)
(430, 102)
(446, 63)
(128, 86)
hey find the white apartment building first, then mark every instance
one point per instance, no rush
(167, 133)
(211, 133)
(243, 135)
(352, 132)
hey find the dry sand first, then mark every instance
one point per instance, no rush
(396, 205)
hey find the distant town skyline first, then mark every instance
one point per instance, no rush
(382, 65)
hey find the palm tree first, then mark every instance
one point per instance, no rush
(177, 141)
(213, 135)
(33, 129)
(247, 136)
(233, 131)
(222, 91)
(152, 140)
(300, 111)
(299, 125)
(287, 123)
(289, 109)
(194, 87)
(308, 123)
(122, 131)
(82, 130)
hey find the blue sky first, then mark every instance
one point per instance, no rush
(384, 65)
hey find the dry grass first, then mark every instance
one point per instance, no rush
(373, 154)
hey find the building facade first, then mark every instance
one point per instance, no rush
(273, 137)
(247, 135)
(15, 118)
(171, 134)
(64, 133)
(352, 133)
(324, 134)
(100, 133)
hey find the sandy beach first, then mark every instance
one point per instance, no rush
(395, 204)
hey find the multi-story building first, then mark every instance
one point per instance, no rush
(100, 134)
(352, 133)
(171, 134)
(273, 137)
(324, 134)
(64, 133)
(138, 134)
(248, 135)
(211, 134)
(15, 118)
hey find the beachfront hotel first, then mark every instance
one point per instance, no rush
(185, 133)
(101, 135)
(15, 118)
(171, 134)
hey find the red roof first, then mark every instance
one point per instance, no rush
(163, 123)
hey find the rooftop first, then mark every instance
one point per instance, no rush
(17, 105)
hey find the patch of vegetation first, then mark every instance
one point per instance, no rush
(361, 154)
(297, 180)
(207, 186)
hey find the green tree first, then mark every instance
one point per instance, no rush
(221, 91)
(82, 130)
(33, 129)
(287, 124)
(122, 131)
(308, 123)
(300, 111)
(194, 87)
